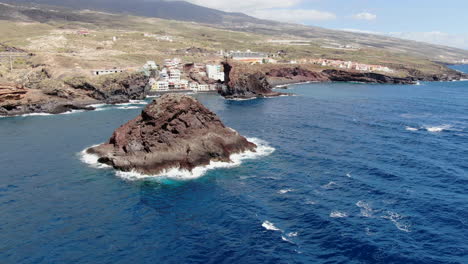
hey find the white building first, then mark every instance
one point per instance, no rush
(214, 72)
(160, 86)
(203, 88)
(193, 86)
(106, 72)
(163, 75)
(174, 75)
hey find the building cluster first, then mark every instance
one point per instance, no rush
(159, 37)
(170, 77)
(349, 65)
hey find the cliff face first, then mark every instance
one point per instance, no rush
(365, 77)
(114, 89)
(175, 131)
(250, 81)
(42, 93)
(244, 82)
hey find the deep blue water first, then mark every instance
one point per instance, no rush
(361, 174)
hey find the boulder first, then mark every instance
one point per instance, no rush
(174, 131)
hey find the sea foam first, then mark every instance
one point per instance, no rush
(270, 226)
(338, 214)
(438, 129)
(263, 149)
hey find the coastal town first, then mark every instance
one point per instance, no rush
(174, 75)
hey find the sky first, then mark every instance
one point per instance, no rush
(434, 21)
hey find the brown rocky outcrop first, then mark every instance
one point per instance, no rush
(11, 92)
(175, 131)
(244, 82)
(113, 89)
(364, 77)
(42, 93)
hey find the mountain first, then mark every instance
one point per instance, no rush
(174, 10)
(184, 11)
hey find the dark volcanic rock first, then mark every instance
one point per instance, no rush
(241, 82)
(175, 131)
(365, 77)
(114, 89)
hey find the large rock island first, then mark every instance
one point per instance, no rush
(175, 131)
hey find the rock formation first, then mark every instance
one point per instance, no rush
(365, 77)
(175, 131)
(115, 88)
(41, 93)
(244, 82)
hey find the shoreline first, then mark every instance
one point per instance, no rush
(177, 174)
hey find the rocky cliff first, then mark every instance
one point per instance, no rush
(175, 131)
(364, 77)
(41, 93)
(244, 82)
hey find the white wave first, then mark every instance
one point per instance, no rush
(286, 239)
(399, 221)
(92, 160)
(366, 209)
(128, 107)
(48, 114)
(241, 99)
(138, 102)
(153, 96)
(338, 214)
(310, 202)
(270, 226)
(411, 128)
(292, 234)
(349, 175)
(437, 129)
(98, 105)
(34, 114)
(263, 149)
(284, 191)
(330, 185)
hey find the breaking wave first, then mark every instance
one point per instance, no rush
(338, 214)
(263, 149)
(412, 128)
(399, 221)
(270, 226)
(437, 129)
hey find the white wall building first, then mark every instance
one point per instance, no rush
(214, 72)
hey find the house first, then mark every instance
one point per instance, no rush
(160, 86)
(214, 72)
(106, 72)
(193, 86)
(174, 75)
(203, 88)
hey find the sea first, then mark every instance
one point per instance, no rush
(346, 173)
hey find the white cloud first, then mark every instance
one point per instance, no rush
(435, 37)
(293, 15)
(246, 5)
(365, 16)
(279, 10)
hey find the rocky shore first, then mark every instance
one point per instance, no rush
(251, 81)
(41, 93)
(175, 131)
(245, 82)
